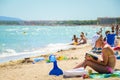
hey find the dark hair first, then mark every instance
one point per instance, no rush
(74, 36)
(112, 31)
(107, 32)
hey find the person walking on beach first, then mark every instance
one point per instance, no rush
(106, 65)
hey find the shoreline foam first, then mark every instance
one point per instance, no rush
(15, 58)
(51, 48)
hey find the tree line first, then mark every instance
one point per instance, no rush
(66, 22)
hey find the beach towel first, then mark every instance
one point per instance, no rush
(111, 39)
(98, 75)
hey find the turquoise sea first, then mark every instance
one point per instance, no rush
(25, 41)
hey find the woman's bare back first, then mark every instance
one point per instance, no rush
(111, 57)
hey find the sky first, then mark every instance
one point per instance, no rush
(59, 9)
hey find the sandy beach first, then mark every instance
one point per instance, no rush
(78, 34)
(40, 70)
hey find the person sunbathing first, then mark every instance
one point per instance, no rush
(94, 39)
(83, 40)
(106, 65)
(75, 40)
(97, 48)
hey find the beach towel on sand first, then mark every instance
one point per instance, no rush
(98, 75)
(81, 71)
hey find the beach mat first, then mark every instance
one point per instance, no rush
(98, 75)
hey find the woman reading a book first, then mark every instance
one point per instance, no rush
(106, 65)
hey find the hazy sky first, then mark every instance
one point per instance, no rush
(59, 9)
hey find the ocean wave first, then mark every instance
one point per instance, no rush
(25, 29)
(10, 54)
(58, 47)
(7, 52)
(9, 30)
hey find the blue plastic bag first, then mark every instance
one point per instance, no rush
(38, 59)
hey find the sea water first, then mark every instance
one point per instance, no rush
(25, 41)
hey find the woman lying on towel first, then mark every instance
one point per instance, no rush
(106, 65)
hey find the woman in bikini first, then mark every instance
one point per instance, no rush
(106, 65)
(83, 40)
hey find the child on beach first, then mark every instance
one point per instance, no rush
(106, 65)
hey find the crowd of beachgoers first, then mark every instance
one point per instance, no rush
(101, 56)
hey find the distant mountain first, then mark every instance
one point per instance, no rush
(4, 18)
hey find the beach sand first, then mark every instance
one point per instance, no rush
(40, 70)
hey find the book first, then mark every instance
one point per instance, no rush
(94, 57)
